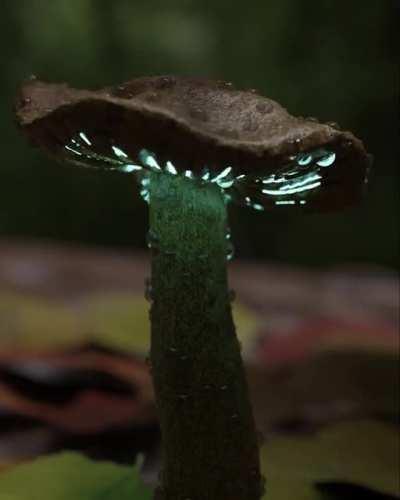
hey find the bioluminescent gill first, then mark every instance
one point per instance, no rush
(81, 151)
(290, 186)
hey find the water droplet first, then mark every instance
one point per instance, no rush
(223, 387)
(230, 251)
(205, 175)
(297, 140)
(258, 207)
(152, 239)
(184, 357)
(183, 397)
(227, 198)
(173, 349)
(327, 160)
(32, 77)
(235, 417)
(148, 290)
(144, 193)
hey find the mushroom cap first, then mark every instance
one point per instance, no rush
(193, 123)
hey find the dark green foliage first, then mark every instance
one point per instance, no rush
(318, 58)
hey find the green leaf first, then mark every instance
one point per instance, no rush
(358, 453)
(70, 476)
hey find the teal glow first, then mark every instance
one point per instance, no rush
(222, 174)
(119, 152)
(84, 137)
(148, 159)
(130, 168)
(327, 160)
(285, 202)
(291, 184)
(170, 168)
(293, 190)
(273, 180)
(230, 250)
(304, 159)
(73, 151)
(305, 180)
(226, 184)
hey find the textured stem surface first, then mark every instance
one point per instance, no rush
(210, 449)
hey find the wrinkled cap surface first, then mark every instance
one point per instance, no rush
(193, 123)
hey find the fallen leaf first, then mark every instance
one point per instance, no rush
(363, 453)
(329, 387)
(116, 321)
(68, 476)
(80, 392)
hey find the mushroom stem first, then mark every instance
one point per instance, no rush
(209, 440)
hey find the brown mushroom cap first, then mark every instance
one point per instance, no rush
(193, 123)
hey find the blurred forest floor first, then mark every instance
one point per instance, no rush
(319, 347)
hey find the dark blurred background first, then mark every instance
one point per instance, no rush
(332, 59)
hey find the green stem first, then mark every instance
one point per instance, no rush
(209, 441)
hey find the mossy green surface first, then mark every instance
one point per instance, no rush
(202, 398)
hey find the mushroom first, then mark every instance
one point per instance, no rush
(196, 145)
